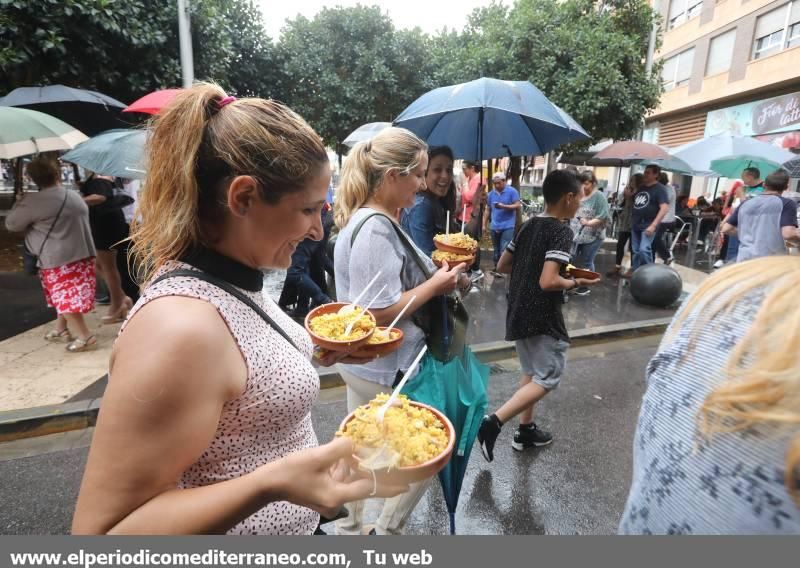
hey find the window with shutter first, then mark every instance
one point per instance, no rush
(720, 53)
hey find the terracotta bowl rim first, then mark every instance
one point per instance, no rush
(342, 342)
(448, 450)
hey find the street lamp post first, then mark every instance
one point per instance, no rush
(185, 41)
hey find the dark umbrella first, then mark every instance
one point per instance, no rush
(88, 111)
(793, 167)
(488, 118)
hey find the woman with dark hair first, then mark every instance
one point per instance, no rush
(428, 216)
(109, 229)
(589, 225)
(624, 224)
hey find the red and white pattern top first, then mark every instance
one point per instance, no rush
(272, 417)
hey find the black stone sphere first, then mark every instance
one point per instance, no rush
(656, 285)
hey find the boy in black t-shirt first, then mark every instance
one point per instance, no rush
(534, 320)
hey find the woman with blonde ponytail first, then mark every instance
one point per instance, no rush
(206, 424)
(379, 178)
(717, 449)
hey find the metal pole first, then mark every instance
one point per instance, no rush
(185, 40)
(651, 51)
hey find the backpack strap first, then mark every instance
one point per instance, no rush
(404, 238)
(230, 289)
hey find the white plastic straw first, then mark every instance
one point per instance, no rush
(397, 319)
(447, 225)
(364, 291)
(352, 323)
(382, 410)
(463, 218)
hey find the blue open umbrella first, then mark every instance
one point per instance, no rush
(489, 118)
(118, 153)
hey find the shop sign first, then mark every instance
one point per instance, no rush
(777, 114)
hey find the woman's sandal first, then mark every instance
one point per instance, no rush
(79, 345)
(58, 336)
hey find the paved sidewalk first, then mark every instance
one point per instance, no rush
(34, 372)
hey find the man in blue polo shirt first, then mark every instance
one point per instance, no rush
(503, 202)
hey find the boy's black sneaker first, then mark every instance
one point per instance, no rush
(530, 437)
(487, 435)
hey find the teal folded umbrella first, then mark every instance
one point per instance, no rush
(118, 153)
(458, 388)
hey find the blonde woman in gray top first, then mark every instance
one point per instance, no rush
(55, 221)
(379, 178)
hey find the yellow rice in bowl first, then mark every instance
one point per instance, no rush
(378, 337)
(415, 434)
(333, 326)
(450, 257)
(459, 240)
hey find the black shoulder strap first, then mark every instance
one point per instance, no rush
(404, 238)
(230, 289)
(50, 230)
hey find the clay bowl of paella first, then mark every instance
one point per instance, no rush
(327, 326)
(439, 257)
(459, 243)
(412, 443)
(382, 342)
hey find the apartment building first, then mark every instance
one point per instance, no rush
(728, 66)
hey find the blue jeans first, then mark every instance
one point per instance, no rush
(642, 247)
(584, 254)
(500, 239)
(733, 248)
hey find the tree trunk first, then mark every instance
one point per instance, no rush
(516, 170)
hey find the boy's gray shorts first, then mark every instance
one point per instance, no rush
(543, 357)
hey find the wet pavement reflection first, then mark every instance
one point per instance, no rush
(609, 302)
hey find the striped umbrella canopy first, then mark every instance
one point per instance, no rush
(24, 132)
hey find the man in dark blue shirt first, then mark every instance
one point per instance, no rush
(650, 205)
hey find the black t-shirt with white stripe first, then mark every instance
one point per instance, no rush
(531, 310)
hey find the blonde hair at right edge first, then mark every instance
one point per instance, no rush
(367, 164)
(762, 376)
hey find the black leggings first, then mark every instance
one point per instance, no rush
(623, 238)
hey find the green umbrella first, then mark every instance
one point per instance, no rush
(732, 166)
(118, 153)
(24, 132)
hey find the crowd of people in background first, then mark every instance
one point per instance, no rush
(222, 401)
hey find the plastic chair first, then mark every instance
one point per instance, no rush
(683, 225)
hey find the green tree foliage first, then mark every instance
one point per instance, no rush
(345, 66)
(349, 66)
(127, 48)
(587, 56)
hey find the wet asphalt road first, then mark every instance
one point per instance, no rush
(578, 485)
